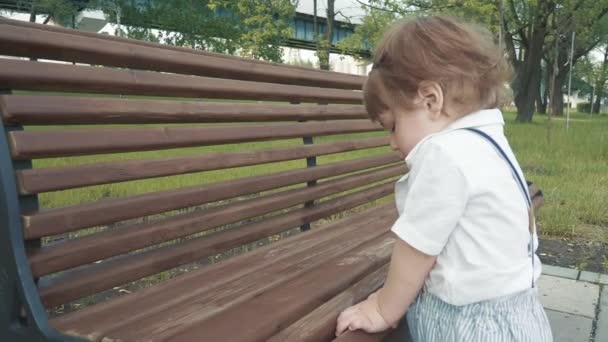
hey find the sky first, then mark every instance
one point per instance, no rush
(351, 9)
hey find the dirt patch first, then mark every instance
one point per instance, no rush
(584, 255)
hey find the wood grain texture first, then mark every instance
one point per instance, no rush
(113, 314)
(62, 220)
(62, 143)
(75, 252)
(31, 181)
(266, 314)
(28, 75)
(320, 324)
(71, 110)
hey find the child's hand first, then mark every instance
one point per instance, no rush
(365, 315)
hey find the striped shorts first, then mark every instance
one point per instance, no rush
(515, 318)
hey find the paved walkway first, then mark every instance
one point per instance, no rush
(576, 303)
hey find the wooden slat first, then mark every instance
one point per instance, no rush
(265, 314)
(62, 220)
(28, 75)
(61, 143)
(81, 251)
(33, 181)
(39, 41)
(106, 275)
(320, 324)
(113, 314)
(70, 110)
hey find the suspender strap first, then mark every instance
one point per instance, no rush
(504, 156)
(521, 185)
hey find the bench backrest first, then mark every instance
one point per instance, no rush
(129, 165)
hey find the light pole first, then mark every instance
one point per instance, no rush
(570, 82)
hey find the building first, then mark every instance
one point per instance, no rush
(299, 49)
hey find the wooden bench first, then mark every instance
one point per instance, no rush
(141, 265)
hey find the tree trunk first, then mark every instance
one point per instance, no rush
(544, 96)
(314, 20)
(528, 75)
(528, 78)
(599, 92)
(324, 50)
(557, 99)
(598, 99)
(33, 12)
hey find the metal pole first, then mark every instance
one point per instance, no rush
(118, 15)
(570, 82)
(592, 98)
(552, 85)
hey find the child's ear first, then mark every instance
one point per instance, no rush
(432, 97)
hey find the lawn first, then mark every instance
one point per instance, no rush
(572, 170)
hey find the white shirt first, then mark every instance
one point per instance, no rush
(460, 202)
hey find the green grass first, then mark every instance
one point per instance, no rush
(572, 171)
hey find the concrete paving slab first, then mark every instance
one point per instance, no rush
(568, 296)
(569, 328)
(601, 330)
(560, 272)
(592, 277)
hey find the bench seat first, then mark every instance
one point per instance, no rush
(278, 292)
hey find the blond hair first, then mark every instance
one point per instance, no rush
(460, 57)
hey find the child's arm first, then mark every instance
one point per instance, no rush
(407, 271)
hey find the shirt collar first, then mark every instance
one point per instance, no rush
(484, 117)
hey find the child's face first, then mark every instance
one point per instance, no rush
(408, 127)
(425, 116)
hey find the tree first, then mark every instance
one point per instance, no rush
(60, 11)
(589, 22)
(255, 28)
(601, 75)
(585, 77)
(522, 24)
(324, 41)
(527, 28)
(265, 25)
(367, 35)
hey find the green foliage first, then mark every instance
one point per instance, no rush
(588, 74)
(60, 11)
(265, 25)
(583, 107)
(323, 52)
(255, 28)
(367, 35)
(529, 30)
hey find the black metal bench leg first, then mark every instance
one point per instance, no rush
(22, 315)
